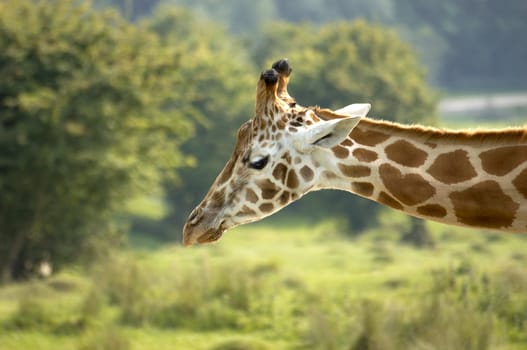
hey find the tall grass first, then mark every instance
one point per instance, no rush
(329, 295)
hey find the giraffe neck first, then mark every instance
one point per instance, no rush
(474, 179)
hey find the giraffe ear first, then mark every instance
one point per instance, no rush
(326, 133)
(332, 129)
(355, 110)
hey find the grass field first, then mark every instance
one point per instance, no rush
(289, 286)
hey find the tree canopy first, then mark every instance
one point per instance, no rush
(87, 119)
(465, 45)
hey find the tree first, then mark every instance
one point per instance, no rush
(240, 16)
(484, 40)
(87, 120)
(323, 11)
(131, 9)
(350, 62)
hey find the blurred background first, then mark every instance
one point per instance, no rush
(117, 115)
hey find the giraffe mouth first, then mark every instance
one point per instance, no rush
(212, 235)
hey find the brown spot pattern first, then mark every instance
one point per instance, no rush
(362, 188)
(226, 172)
(261, 123)
(520, 182)
(266, 207)
(251, 196)
(410, 189)
(404, 153)
(284, 198)
(347, 143)
(365, 155)
(269, 189)
(453, 167)
(306, 173)
(388, 200)
(287, 158)
(340, 152)
(279, 172)
(368, 137)
(218, 198)
(354, 170)
(329, 175)
(485, 205)
(501, 161)
(292, 179)
(246, 211)
(432, 210)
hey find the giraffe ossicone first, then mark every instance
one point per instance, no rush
(468, 178)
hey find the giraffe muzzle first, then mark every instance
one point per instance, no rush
(210, 236)
(198, 230)
(192, 235)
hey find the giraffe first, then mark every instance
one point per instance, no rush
(467, 178)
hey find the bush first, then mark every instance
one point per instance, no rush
(31, 314)
(377, 332)
(242, 344)
(111, 338)
(123, 282)
(203, 297)
(89, 120)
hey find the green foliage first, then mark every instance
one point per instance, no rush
(122, 282)
(87, 120)
(283, 289)
(241, 344)
(243, 17)
(474, 44)
(31, 314)
(453, 300)
(207, 297)
(259, 290)
(476, 35)
(239, 15)
(108, 339)
(131, 9)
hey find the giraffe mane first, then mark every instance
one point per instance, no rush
(512, 135)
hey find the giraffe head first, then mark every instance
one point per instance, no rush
(276, 159)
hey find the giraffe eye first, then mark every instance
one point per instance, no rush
(259, 164)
